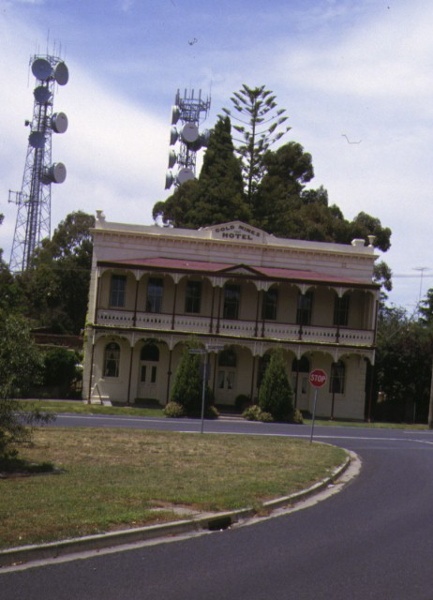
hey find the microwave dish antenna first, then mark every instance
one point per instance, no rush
(33, 222)
(189, 111)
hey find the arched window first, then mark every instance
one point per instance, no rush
(227, 358)
(150, 352)
(111, 360)
(338, 376)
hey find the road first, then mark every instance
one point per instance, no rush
(374, 540)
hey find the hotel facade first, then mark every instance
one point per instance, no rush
(238, 292)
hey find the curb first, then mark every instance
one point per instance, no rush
(210, 522)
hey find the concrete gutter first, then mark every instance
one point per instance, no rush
(197, 523)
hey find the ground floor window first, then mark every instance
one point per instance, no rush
(148, 374)
(149, 354)
(338, 376)
(300, 371)
(226, 379)
(226, 375)
(111, 360)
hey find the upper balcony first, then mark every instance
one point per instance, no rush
(233, 329)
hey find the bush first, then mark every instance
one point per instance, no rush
(252, 413)
(20, 368)
(266, 417)
(174, 410)
(187, 387)
(275, 394)
(297, 417)
(61, 372)
(242, 402)
(255, 413)
(211, 412)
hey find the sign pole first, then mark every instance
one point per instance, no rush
(314, 415)
(317, 379)
(203, 392)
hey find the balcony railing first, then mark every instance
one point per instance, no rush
(235, 328)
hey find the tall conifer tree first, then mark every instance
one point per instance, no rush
(260, 124)
(217, 196)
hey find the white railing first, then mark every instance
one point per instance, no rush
(115, 318)
(227, 327)
(153, 320)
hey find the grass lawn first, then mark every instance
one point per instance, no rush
(114, 479)
(79, 407)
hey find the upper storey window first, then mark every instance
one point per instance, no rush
(118, 291)
(341, 310)
(193, 297)
(270, 301)
(304, 309)
(154, 295)
(232, 296)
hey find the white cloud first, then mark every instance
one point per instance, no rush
(338, 66)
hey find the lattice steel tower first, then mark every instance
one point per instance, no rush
(189, 111)
(34, 200)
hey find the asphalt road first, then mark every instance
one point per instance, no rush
(373, 540)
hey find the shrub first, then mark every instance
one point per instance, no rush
(252, 413)
(211, 412)
(20, 368)
(266, 417)
(275, 394)
(255, 413)
(187, 387)
(61, 371)
(242, 402)
(174, 410)
(297, 417)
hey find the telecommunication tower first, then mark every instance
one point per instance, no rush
(190, 111)
(34, 200)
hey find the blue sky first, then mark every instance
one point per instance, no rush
(362, 68)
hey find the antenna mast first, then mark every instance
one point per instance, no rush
(188, 110)
(34, 200)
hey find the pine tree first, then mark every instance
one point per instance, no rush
(260, 124)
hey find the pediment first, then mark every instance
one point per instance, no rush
(236, 230)
(240, 270)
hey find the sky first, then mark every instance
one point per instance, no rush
(355, 78)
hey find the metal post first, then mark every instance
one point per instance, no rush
(203, 392)
(314, 415)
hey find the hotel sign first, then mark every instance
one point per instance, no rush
(237, 231)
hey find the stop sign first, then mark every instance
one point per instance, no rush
(318, 378)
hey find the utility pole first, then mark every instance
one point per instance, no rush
(430, 411)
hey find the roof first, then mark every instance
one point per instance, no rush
(226, 269)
